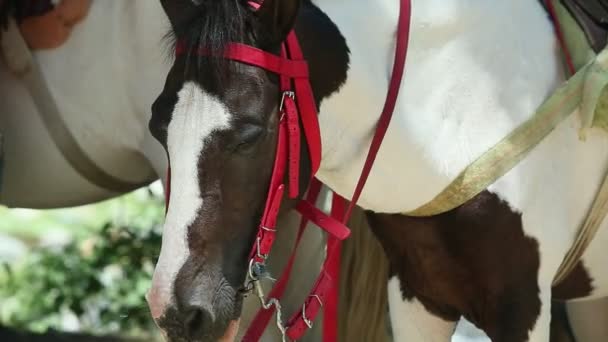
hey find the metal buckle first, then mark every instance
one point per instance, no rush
(308, 322)
(285, 94)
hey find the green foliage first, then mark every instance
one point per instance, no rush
(140, 208)
(98, 283)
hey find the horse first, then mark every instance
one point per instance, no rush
(473, 75)
(119, 44)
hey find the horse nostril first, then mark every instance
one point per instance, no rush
(198, 322)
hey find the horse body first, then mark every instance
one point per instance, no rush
(473, 75)
(105, 75)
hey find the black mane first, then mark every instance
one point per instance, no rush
(215, 24)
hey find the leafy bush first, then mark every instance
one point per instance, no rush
(95, 285)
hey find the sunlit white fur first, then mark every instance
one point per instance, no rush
(195, 117)
(476, 69)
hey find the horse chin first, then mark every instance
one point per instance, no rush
(232, 329)
(229, 317)
(233, 319)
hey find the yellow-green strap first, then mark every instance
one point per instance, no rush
(501, 158)
(585, 235)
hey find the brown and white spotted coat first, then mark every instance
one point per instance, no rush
(491, 260)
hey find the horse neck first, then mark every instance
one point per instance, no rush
(472, 76)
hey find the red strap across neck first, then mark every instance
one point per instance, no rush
(403, 34)
(560, 36)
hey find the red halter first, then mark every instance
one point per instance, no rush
(298, 105)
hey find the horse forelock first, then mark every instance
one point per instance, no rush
(212, 26)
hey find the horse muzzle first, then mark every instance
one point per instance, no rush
(198, 312)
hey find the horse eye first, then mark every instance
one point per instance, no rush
(248, 137)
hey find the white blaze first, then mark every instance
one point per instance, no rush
(195, 117)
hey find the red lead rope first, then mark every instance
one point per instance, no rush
(298, 105)
(403, 35)
(328, 283)
(560, 37)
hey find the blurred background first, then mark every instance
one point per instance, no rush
(84, 269)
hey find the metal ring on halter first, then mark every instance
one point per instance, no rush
(248, 288)
(285, 94)
(250, 271)
(306, 320)
(261, 256)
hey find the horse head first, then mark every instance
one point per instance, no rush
(217, 120)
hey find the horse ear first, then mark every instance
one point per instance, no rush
(278, 17)
(180, 12)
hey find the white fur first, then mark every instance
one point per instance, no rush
(461, 94)
(467, 332)
(473, 74)
(412, 322)
(541, 328)
(195, 117)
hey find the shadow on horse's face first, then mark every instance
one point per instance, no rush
(218, 122)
